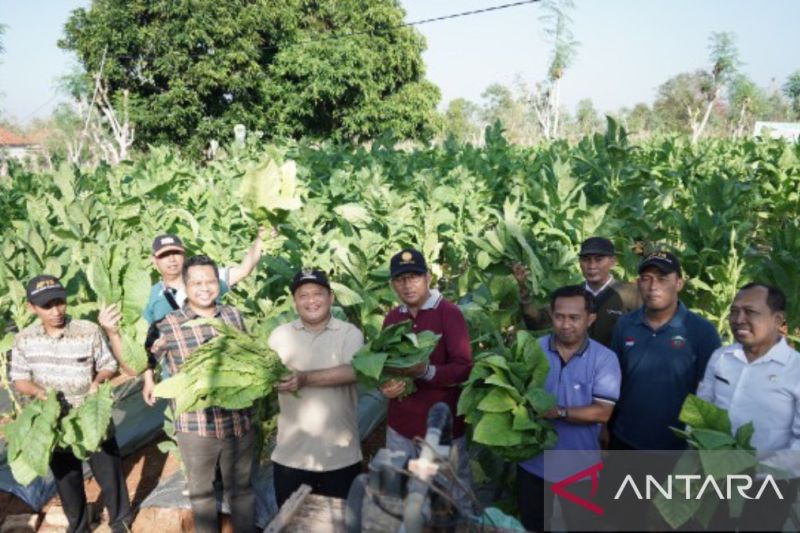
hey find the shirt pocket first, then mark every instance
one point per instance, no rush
(578, 393)
(723, 391)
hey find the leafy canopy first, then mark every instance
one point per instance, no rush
(335, 68)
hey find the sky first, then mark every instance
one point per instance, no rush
(627, 47)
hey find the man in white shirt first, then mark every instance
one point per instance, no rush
(757, 379)
(318, 442)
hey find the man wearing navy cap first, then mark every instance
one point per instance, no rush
(663, 350)
(318, 442)
(169, 254)
(450, 362)
(612, 298)
(71, 358)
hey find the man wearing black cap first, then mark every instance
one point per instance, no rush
(450, 361)
(612, 298)
(663, 350)
(71, 358)
(169, 294)
(317, 442)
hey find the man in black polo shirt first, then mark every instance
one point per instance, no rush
(663, 350)
(613, 298)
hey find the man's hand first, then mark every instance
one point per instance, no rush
(109, 318)
(158, 346)
(393, 388)
(148, 388)
(262, 232)
(551, 414)
(415, 371)
(292, 383)
(93, 388)
(520, 273)
(41, 395)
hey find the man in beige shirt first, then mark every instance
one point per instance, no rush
(317, 441)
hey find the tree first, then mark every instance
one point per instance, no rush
(587, 119)
(677, 97)
(461, 121)
(746, 103)
(792, 91)
(546, 96)
(725, 63)
(344, 69)
(500, 103)
(640, 121)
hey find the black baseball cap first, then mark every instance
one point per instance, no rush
(43, 289)
(597, 246)
(310, 275)
(166, 243)
(664, 261)
(408, 260)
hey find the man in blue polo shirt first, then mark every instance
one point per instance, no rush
(584, 377)
(663, 350)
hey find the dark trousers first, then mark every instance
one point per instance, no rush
(535, 500)
(335, 483)
(106, 467)
(235, 458)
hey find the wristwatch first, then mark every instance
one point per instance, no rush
(562, 413)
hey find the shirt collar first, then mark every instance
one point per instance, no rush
(781, 353)
(601, 289)
(431, 303)
(40, 329)
(190, 314)
(551, 344)
(675, 322)
(333, 324)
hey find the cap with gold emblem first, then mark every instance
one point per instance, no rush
(408, 260)
(43, 289)
(310, 275)
(664, 261)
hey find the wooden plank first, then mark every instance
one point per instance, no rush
(320, 514)
(288, 509)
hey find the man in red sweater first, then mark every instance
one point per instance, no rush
(437, 381)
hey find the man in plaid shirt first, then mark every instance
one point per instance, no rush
(212, 435)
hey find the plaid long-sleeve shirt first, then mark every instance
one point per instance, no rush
(183, 339)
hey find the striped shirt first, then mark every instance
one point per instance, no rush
(66, 363)
(182, 340)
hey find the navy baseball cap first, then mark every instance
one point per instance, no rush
(166, 243)
(666, 262)
(309, 275)
(43, 289)
(408, 260)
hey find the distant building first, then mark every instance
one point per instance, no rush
(13, 146)
(778, 130)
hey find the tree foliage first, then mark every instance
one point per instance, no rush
(792, 90)
(345, 69)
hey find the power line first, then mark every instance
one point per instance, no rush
(421, 22)
(388, 29)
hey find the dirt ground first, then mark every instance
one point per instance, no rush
(143, 471)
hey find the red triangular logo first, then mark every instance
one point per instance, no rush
(592, 471)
